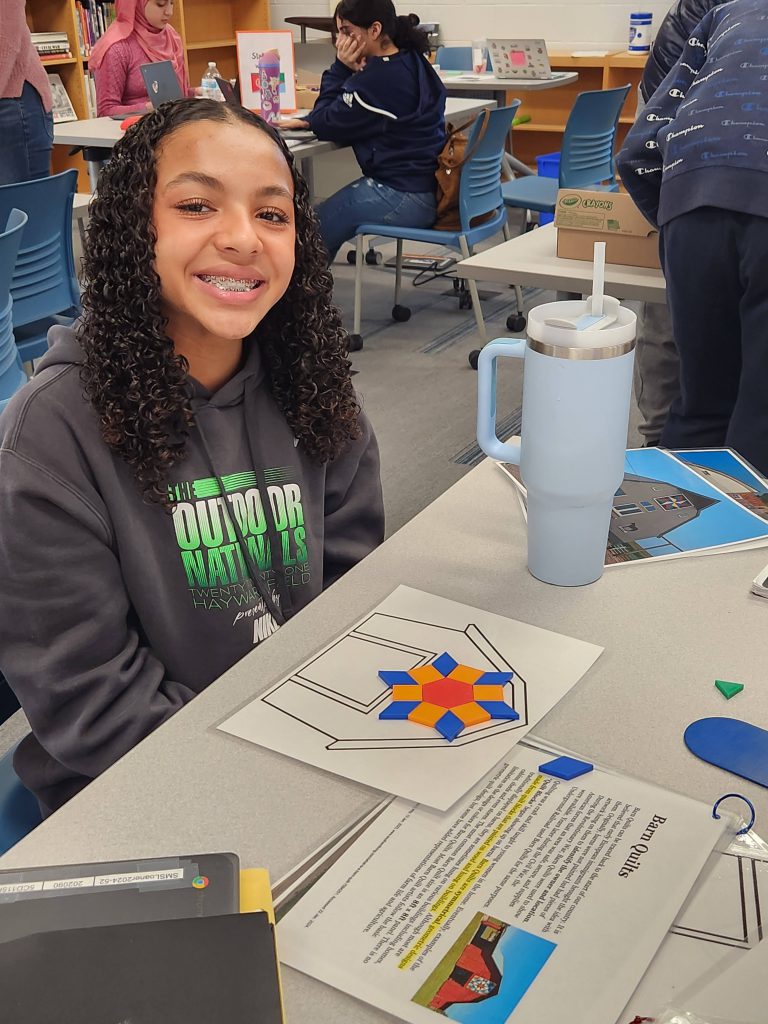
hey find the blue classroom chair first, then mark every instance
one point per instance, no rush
(44, 287)
(19, 810)
(479, 194)
(586, 160)
(12, 375)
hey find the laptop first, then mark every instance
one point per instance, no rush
(231, 93)
(521, 59)
(161, 82)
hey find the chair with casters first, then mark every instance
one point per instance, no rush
(479, 195)
(19, 810)
(44, 286)
(12, 375)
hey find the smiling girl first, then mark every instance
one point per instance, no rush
(141, 34)
(190, 467)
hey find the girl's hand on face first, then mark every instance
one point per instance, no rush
(349, 50)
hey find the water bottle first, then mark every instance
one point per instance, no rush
(210, 86)
(577, 386)
(269, 85)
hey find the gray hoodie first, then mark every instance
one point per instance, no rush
(114, 612)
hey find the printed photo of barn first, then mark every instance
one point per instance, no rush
(485, 973)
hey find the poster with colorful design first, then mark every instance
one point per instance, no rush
(250, 47)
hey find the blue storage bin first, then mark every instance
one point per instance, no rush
(548, 166)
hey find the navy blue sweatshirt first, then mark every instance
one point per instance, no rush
(702, 140)
(392, 113)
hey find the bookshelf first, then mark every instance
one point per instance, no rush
(207, 29)
(549, 109)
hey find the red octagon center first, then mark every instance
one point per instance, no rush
(447, 693)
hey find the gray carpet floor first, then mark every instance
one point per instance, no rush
(416, 386)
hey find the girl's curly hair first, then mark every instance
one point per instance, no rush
(132, 376)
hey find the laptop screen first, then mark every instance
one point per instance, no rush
(161, 82)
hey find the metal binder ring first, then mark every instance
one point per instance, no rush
(749, 804)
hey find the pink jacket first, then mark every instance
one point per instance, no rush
(19, 62)
(119, 85)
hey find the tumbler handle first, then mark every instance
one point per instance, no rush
(486, 399)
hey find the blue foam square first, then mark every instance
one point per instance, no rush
(399, 710)
(393, 678)
(449, 725)
(444, 664)
(566, 768)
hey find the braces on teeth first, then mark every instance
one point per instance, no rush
(229, 284)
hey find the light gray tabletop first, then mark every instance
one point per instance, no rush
(531, 259)
(104, 132)
(668, 628)
(466, 81)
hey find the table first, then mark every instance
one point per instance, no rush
(104, 133)
(531, 259)
(669, 629)
(319, 24)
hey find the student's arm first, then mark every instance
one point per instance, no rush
(350, 107)
(641, 161)
(110, 81)
(69, 645)
(354, 508)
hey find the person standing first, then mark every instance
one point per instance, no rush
(695, 165)
(26, 122)
(657, 368)
(142, 34)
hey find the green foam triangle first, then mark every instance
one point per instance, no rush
(728, 690)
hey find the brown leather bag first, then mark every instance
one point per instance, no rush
(450, 160)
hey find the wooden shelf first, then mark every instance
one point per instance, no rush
(204, 25)
(215, 44)
(532, 126)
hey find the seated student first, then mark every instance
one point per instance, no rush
(695, 164)
(190, 466)
(142, 34)
(384, 98)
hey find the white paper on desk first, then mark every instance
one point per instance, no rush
(325, 713)
(532, 901)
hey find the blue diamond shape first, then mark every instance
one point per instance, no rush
(566, 768)
(494, 678)
(498, 709)
(449, 725)
(397, 678)
(444, 664)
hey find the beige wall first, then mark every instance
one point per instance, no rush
(580, 24)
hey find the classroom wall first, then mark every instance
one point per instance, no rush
(586, 24)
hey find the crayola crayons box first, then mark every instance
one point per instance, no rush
(583, 217)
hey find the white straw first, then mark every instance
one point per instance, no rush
(598, 281)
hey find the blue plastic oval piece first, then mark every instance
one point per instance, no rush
(732, 745)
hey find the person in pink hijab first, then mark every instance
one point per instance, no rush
(142, 34)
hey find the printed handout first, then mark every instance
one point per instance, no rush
(532, 901)
(674, 504)
(326, 712)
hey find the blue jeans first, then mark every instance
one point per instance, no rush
(26, 131)
(367, 201)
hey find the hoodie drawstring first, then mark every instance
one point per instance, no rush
(279, 616)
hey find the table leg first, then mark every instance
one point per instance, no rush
(93, 173)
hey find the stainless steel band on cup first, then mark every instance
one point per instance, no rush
(560, 352)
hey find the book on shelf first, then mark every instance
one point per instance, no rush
(51, 58)
(93, 20)
(90, 94)
(62, 105)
